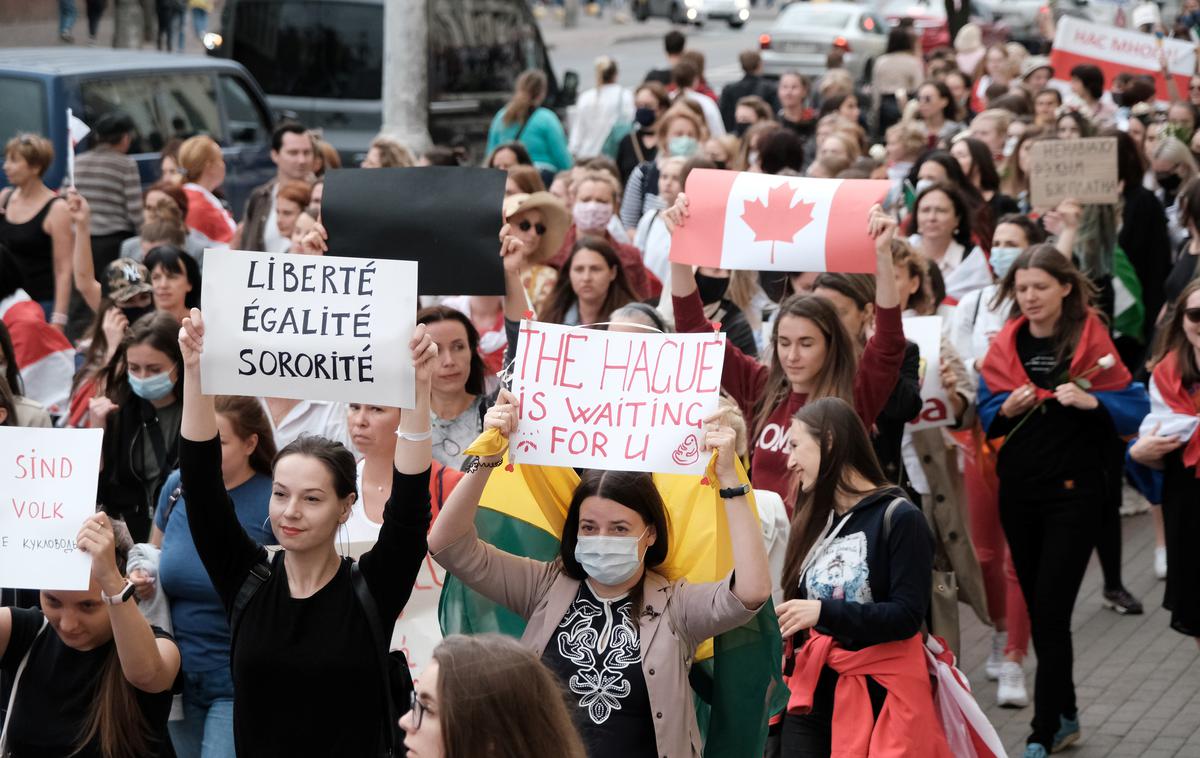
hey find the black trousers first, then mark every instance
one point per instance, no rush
(1051, 537)
(811, 735)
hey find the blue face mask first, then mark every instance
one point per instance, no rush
(683, 147)
(152, 387)
(1002, 259)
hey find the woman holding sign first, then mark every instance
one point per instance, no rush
(1052, 387)
(93, 677)
(307, 669)
(1169, 441)
(813, 356)
(617, 633)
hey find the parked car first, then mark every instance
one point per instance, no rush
(734, 12)
(803, 33)
(322, 60)
(929, 19)
(167, 96)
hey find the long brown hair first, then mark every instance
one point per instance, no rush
(247, 417)
(528, 93)
(1075, 306)
(160, 331)
(115, 720)
(845, 450)
(490, 679)
(1172, 340)
(555, 306)
(836, 378)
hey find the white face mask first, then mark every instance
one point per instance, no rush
(609, 560)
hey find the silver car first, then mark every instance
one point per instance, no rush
(804, 33)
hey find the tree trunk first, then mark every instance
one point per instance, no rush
(127, 24)
(570, 13)
(405, 73)
(958, 14)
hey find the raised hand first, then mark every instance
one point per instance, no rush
(315, 241)
(114, 326)
(677, 215)
(97, 539)
(191, 339)
(99, 409)
(503, 415)
(424, 354)
(881, 227)
(722, 438)
(512, 250)
(77, 206)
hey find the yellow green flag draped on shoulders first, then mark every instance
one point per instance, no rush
(736, 677)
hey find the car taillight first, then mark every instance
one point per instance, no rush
(764, 41)
(842, 43)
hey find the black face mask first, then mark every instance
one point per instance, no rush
(720, 164)
(711, 288)
(644, 116)
(1169, 182)
(134, 312)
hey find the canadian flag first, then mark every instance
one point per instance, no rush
(763, 222)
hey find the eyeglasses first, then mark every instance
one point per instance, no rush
(1193, 315)
(526, 226)
(418, 710)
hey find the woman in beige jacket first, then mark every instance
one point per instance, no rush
(620, 636)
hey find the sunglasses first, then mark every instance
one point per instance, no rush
(1193, 315)
(526, 226)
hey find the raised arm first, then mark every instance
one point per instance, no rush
(879, 368)
(83, 271)
(148, 663)
(512, 251)
(752, 573)
(58, 226)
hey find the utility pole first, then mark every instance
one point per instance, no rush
(405, 73)
(570, 14)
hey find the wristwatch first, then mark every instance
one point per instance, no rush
(732, 492)
(122, 596)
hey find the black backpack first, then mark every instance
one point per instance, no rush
(397, 680)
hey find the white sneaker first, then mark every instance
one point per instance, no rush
(996, 660)
(1011, 691)
(1160, 562)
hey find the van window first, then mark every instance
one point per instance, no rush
(311, 49)
(479, 46)
(24, 108)
(162, 106)
(247, 124)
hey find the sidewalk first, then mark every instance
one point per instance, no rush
(1137, 680)
(44, 32)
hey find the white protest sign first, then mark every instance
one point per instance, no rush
(308, 327)
(48, 477)
(926, 331)
(1116, 50)
(614, 400)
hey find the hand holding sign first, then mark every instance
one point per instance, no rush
(721, 438)
(424, 356)
(881, 227)
(315, 241)
(503, 415)
(98, 538)
(191, 339)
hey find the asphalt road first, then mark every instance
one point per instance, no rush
(637, 47)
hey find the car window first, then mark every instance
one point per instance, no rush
(24, 107)
(247, 123)
(312, 49)
(479, 46)
(162, 106)
(803, 16)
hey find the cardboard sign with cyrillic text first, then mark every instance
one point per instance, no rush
(308, 327)
(48, 480)
(614, 400)
(926, 331)
(1084, 170)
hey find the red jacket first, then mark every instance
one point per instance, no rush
(745, 379)
(907, 725)
(645, 284)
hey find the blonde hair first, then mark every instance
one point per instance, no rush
(1173, 150)
(674, 113)
(391, 153)
(1001, 117)
(528, 94)
(912, 134)
(594, 175)
(34, 149)
(195, 154)
(835, 81)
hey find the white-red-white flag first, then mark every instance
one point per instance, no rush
(76, 131)
(777, 223)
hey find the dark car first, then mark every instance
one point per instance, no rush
(322, 60)
(167, 96)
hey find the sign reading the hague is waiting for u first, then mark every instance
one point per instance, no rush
(308, 327)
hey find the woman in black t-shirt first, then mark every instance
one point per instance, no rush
(93, 677)
(304, 658)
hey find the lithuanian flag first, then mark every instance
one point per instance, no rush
(736, 678)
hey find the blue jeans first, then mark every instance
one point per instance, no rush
(199, 23)
(206, 730)
(66, 16)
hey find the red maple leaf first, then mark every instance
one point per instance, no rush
(777, 220)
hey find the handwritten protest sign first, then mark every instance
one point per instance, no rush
(1082, 169)
(612, 400)
(763, 222)
(48, 479)
(308, 327)
(926, 331)
(1116, 50)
